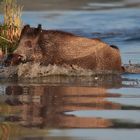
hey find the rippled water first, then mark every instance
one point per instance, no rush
(73, 108)
(99, 107)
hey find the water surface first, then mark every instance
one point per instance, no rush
(70, 108)
(100, 107)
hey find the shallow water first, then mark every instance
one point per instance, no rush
(92, 107)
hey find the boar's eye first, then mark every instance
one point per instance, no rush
(28, 44)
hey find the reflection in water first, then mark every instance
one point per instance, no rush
(45, 106)
(25, 110)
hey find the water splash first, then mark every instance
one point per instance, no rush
(8, 72)
(35, 70)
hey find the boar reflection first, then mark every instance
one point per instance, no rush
(44, 106)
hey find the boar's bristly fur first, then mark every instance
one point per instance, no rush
(58, 47)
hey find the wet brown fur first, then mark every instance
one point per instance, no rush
(58, 47)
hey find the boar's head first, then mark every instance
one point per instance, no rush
(28, 47)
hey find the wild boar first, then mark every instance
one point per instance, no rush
(58, 47)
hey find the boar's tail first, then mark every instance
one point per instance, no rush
(113, 46)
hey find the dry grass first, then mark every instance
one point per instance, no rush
(11, 28)
(12, 18)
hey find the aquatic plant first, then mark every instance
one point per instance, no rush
(10, 29)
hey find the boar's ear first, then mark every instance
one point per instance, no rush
(39, 29)
(25, 29)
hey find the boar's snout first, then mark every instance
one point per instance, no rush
(13, 59)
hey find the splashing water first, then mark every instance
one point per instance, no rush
(35, 70)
